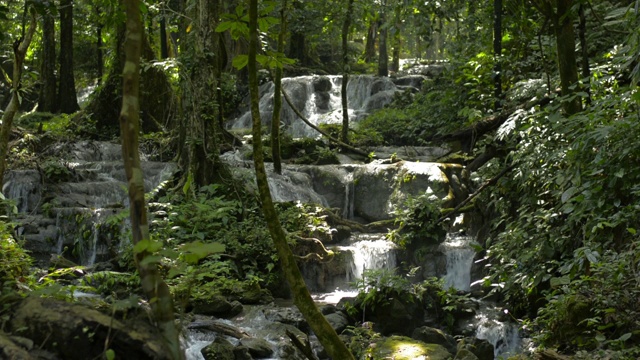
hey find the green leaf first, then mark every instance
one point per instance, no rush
(110, 354)
(240, 61)
(568, 194)
(224, 26)
(625, 337)
(559, 281)
(151, 259)
(632, 231)
(600, 338)
(197, 250)
(141, 246)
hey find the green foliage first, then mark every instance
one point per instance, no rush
(56, 172)
(417, 222)
(14, 260)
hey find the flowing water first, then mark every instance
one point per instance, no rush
(459, 254)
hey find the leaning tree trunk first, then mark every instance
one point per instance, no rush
(20, 47)
(344, 135)
(153, 285)
(47, 101)
(335, 348)
(67, 86)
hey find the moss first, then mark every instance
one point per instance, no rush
(405, 348)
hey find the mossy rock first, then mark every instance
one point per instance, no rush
(405, 348)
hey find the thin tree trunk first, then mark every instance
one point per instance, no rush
(344, 135)
(20, 47)
(99, 56)
(164, 50)
(47, 101)
(67, 85)
(277, 96)
(383, 59)
(370, 45)
(584, 51)
(335, 348)
(497, 52)
(153, 285)
(565, 47)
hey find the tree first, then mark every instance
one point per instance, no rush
(20, 47)
(67, 97)
(153, 285)
(47, 101)
(383, 59)
(301, 297)
(497, 50)
(277, 96)
(562, 19)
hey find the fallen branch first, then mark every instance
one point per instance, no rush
(331, 138)
(304, 348)
(490, 182)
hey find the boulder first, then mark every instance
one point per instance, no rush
(338, 321)
(481, 348)
(431, 335)
(258, 348)
(465, 354)
(242, 353)
(217, 306)
(290, 316)
(404, 348)
(396, 316)
(321, 84)
(219, 349)
(72, 331)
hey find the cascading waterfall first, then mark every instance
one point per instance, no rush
(459, 256)
(319, 99)
(369, 252)
(504, 335)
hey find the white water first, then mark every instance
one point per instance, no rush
(194, 342)
(459, 255)
(503, 335)
(369, 252)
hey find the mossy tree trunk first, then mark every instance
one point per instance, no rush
(153, 285)
(370, 44)
(302, 299)
(203, 131)
(277, 96)
(346, 25)
(20, 47)
(383, 58)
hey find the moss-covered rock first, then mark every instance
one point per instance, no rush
(404, 348)
(219, 349)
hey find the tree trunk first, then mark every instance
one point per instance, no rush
(203, 128)
(164, 50)
(99, 57)
(335, 348)
(153, 285)
(67, 86)
(565, 48)
(20, 47)
(383, 59)
(584, 51)
(47, 101)
(370, 45)
(497, 52)
(344, 134)
(277, 96)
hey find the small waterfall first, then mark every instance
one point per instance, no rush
(459, 256)
(194, 342)
(503, 335)
(369, 252)
(349, 196)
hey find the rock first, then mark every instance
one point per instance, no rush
(321, 84)
(217, 306)
(465, 354)
(10, 350)
(258, 348)
(404, 348)
(218, 327)
(431, 335)
(481, 348)
(290, 316)
(396, 316)
(328, 309)
(242, 353)
(81, 332)
(414, 81)
(219, 349)
(338, 321)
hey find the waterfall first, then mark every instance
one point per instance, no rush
(369, 252)
(349, 196)
(319, 99)
(503, 335)
(459, 256)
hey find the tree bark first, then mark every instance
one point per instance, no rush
(153, 285)
(344, 134)
(584, 51)
(20, 47)
(370, 44)
(335, 348)
(67, 96)
(565, 47)
(47, 101)
(164, 50)
(383, 59)
(277, 96)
